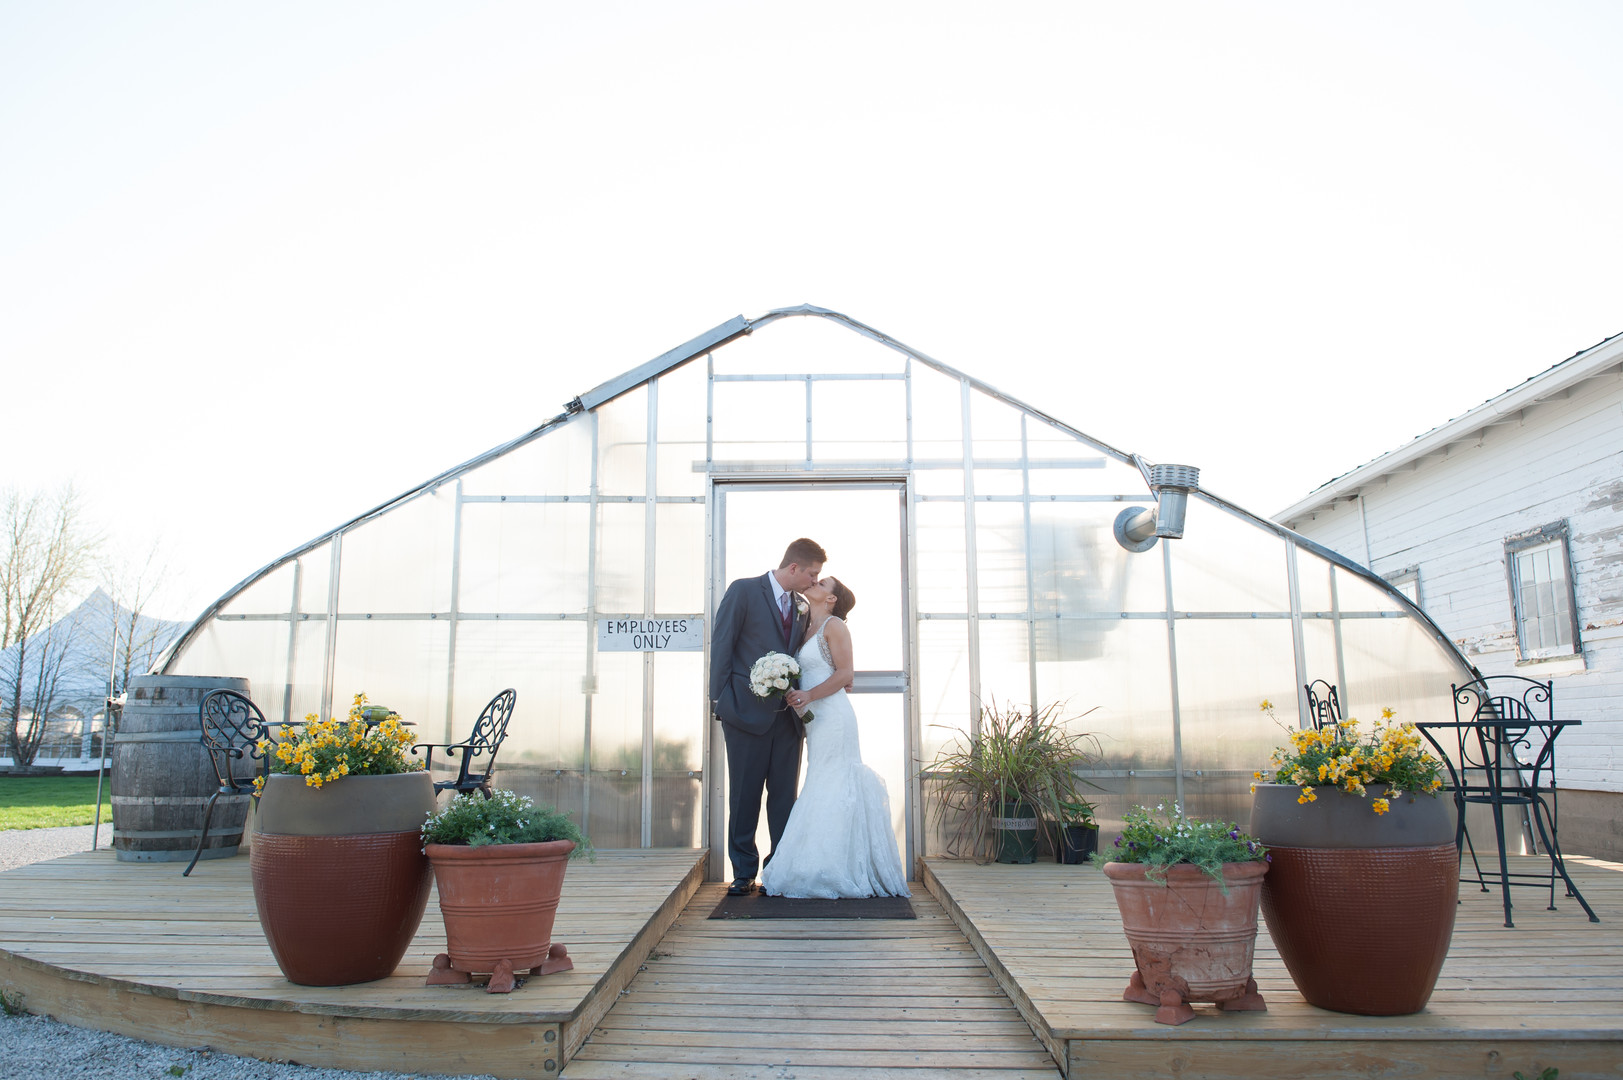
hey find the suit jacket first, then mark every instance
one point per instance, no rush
(747, 627)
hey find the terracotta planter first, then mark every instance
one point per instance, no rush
(1360, 905)
(499, 902)
(339, 875)
(1190, 941)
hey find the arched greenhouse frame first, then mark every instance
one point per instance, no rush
(579, 564)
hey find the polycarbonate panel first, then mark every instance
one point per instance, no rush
(1226, 668)
(683, 414)
(616, 795)
(397, 663)
(1313, 579)
(315, 571)
(1355, 593)
(401, 561)
(1000, 556)
(256, 651)
(679, 558)
(680, 711)
(859, 421)
(1006, 482)
(1126, 687)
(938, 416)
(622, 444)
(523, 557)
(945, 481)
(942, 586)
(620, 571)
(941, 685)
(759, 421)
(1397, 664)
(1319, 661)
(1077, 566)
(557, 462)
(544, 663)
(1005, 667)
(1225, 564)
(1093, 476)
(270, 595)
(994, 428)
(309, 670)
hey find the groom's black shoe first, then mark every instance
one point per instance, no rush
(741, 887)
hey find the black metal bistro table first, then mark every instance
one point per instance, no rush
(1500, 751)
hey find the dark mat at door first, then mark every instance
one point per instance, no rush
(756, 906)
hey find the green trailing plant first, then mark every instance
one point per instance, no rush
(1021, 755)
(1548, 1074)
(1161, 838)
(505, 818)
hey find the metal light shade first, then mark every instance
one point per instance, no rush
(1137, 528)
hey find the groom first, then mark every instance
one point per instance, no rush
(759, 615)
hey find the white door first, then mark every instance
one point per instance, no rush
(861, 526)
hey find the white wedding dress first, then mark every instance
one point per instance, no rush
(839, 841)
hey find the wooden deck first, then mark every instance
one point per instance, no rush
(136, 949)
(812, 999)
(1547, 993)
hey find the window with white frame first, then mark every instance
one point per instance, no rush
(1407, 582)
(1540, 568)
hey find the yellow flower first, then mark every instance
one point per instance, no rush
(1266, 705)
(1381, 806)
(1387, 714)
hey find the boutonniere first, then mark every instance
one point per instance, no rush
(801, 607)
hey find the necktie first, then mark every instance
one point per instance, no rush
(787, 623)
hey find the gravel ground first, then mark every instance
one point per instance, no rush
(37, 1046)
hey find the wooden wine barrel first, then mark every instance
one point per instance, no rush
(162, 778)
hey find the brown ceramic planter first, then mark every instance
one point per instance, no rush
(342, 887)
(1361, 906)
(499, 902)
(1190, 941)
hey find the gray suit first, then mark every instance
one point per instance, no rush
(763, 735)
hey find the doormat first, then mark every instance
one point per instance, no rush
(757, 906)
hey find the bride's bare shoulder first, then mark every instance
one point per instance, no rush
(835, 628)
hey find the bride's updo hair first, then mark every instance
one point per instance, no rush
(844, 598)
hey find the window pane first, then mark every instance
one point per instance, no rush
(544, 663)
(682, 429)
(938, 426)
(315, 571)
(270, 595)
(523, 557)
(1000, 554)
(620, 557)
(859, 421)
(622, 443)
(401, 561)
(943, 584)
(679, 559)
(398, 663)
(1226, 564)
(760, 422)
(558, 462)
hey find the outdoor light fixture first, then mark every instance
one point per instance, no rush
(1137, 529)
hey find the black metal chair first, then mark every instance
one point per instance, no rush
(1323, 705)
(232, 728)
(478, 751)
(1499, 752)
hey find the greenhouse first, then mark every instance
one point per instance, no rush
(999, 554)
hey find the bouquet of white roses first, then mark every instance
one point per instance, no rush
(772, 676)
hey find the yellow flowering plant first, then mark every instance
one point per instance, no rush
(1340, 755)
(323, 751)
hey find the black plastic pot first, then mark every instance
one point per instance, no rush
(1076, 844)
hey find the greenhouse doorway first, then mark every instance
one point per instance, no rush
(862, 526)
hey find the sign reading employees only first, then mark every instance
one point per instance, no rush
(635, 633)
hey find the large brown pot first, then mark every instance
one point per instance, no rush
(1190, 941)
(339, 875)
(499, 902)
(1360, 905)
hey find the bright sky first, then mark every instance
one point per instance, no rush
(265, 266)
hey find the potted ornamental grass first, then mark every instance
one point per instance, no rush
(335, 831)
(1013, 780)
(1365, 881)
(1188, 892)
(499, 865)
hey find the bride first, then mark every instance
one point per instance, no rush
(838, 842)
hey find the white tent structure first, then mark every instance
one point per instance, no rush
(983, 537)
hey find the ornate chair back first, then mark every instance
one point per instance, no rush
(1323, 704)
(232, 728)
(478, 751)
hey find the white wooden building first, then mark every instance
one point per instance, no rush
(1506, 526)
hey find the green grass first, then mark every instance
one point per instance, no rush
(46, 802)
